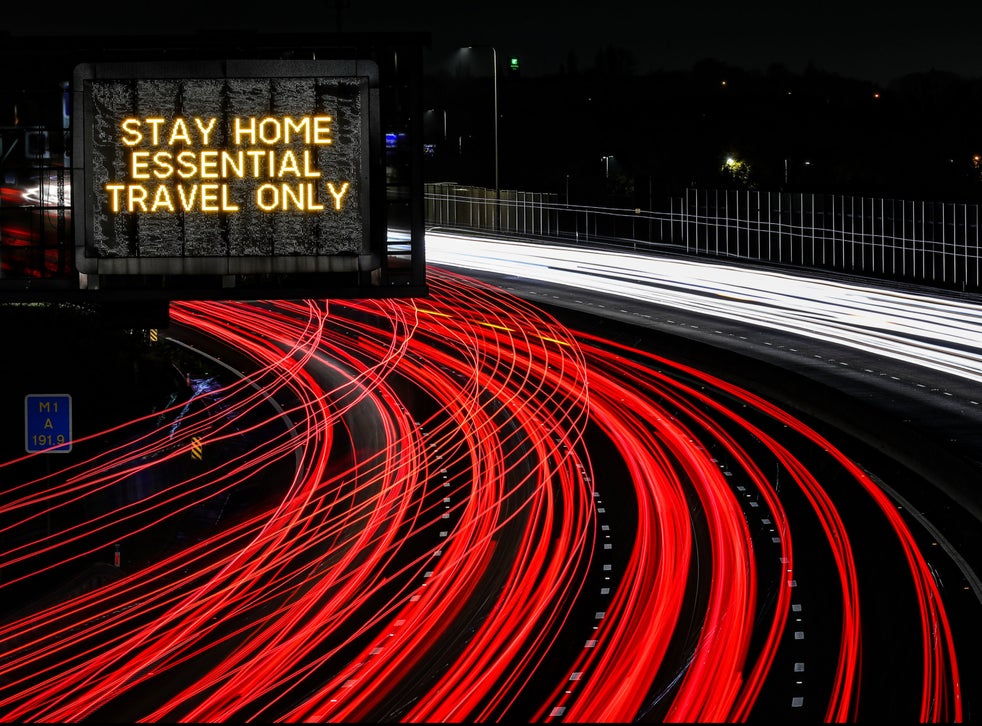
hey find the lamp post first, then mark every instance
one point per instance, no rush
(444, 112)
(606, 161)
(497, 188)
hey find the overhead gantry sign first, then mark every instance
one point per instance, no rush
(227, 168)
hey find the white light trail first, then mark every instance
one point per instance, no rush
(942, 333)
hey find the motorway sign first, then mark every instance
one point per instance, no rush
(48, 423)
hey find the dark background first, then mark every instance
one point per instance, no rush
(623, 103)
(873, 40)
(811, 130)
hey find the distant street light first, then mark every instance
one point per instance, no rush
(806, 162)
(444, 111)
(737, 169)
(606, 161)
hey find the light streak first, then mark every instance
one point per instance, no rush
(437, 530)
(940, 333)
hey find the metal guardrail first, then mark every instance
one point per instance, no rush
(928, 243)
(542, 214)
(936, 244)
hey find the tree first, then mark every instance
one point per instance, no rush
(736, 172)
(615, 61)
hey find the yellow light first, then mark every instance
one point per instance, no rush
(169, 163)
(162, 200)
(270, 130)
(179, 133)
(338, 194)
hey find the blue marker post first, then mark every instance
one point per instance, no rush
(48, 423)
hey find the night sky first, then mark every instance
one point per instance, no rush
(873, 41)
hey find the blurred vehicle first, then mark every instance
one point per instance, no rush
(36, 234)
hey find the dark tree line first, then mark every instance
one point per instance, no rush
(610, 135)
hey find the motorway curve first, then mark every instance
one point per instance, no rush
(462, 509)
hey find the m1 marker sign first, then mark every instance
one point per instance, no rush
(48, 423)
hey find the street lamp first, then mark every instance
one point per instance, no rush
(497, 189)
(606, 161)
(444, 111)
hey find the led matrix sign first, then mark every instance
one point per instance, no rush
(199, 178)
(225, 167)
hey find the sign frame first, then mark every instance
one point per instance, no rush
(367, 256)
(44, 264)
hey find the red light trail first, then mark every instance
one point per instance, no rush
(449, 546)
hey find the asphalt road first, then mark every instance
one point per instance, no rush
(913, 429)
